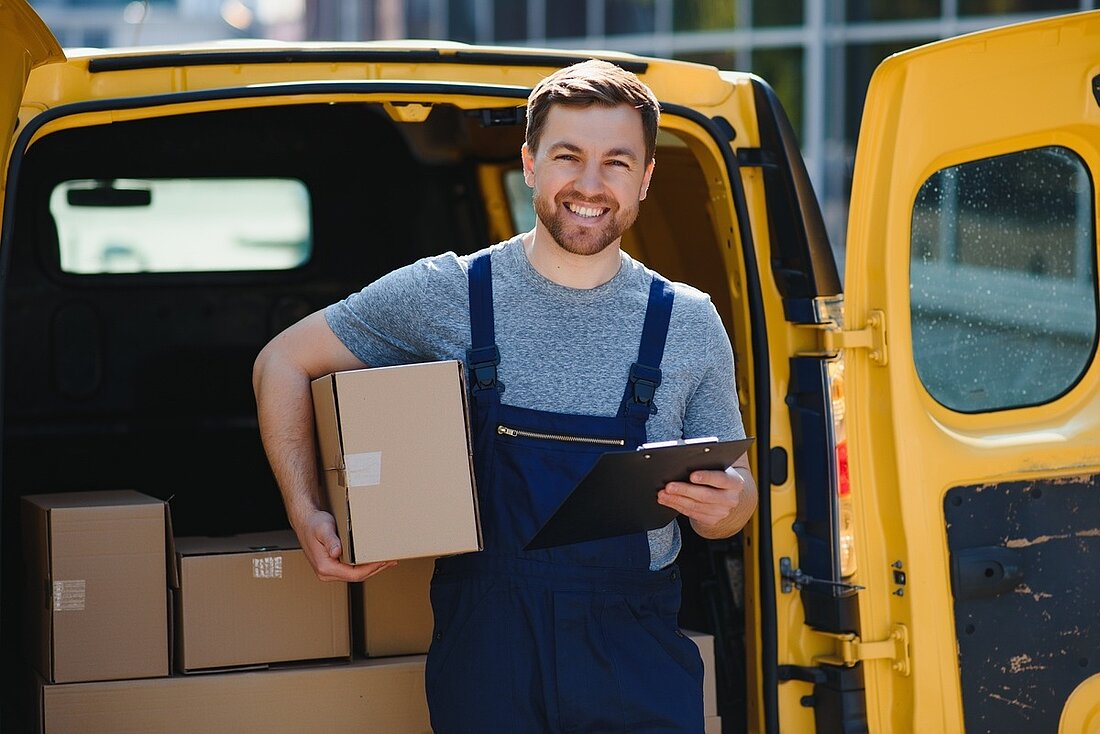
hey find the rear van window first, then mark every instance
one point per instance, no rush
(181, 225)
(1003, 280)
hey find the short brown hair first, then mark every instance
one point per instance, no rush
(593, 82)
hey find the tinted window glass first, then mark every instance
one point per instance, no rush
(181, 225)
(628, 16)
(519, 201)
(1003, 280)
(702, 15)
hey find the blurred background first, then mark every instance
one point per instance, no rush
(817, 54)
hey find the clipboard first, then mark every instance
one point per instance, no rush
(618, 495)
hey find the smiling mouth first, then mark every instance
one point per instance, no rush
(587, 212)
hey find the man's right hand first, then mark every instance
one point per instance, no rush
(322, 547)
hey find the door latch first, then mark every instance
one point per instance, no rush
(794, 578)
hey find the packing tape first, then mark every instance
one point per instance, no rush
(267, 567)
(364, 469)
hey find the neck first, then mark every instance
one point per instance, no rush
(565, 268)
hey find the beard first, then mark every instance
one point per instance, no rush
(579, 239)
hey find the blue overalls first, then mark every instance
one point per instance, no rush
(578, 638)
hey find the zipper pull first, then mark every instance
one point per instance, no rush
(506, 431)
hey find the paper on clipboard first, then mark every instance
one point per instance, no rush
(619, 493)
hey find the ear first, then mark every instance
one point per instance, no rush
(528, 158)
(645, 179)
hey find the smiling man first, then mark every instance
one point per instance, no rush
(594, 348)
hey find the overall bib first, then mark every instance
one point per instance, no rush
(578, 638)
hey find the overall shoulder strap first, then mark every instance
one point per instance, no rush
(645, 374)
(483, 357)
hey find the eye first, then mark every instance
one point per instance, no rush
(565, 157)
(617, 162)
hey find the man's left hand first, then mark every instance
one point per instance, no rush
(718, 503)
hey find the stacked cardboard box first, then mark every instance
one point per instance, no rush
(363, 695)
(394, 442)
(705, 643)
(253, 599)
(97, 605)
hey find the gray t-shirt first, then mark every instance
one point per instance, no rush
(564, 350)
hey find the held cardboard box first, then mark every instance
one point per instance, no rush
(385, 696)
(253, 599)
(712, 725)
(710, 685)
(97, 593)
(395, 448)
(393, 610)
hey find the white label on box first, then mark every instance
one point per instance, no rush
(365, 469)
(68, 596)
(268, 567)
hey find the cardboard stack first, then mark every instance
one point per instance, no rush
(110, 589)
(116, 603)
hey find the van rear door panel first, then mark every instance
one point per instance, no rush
(1025, 604)
(972, 441)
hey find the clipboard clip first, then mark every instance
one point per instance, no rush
(678, 442)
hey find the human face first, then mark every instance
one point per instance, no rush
(588, 175)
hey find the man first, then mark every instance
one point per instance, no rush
(583, 346)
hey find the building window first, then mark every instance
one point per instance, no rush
(628, 16)
(859, 11)
(462, 21)
(1000, 7)
(566, 18)
(703, 15)
(510, 20)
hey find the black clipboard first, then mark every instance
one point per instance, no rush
(618, 495)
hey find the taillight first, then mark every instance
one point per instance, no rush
(843, 485)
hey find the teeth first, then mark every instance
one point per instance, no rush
(585, 211)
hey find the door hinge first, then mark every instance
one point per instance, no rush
(871, 337)
(851, 650)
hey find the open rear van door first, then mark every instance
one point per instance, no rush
(974, 424)
(25, 42)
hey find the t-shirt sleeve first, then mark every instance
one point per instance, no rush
(713, 408)
(407, 315)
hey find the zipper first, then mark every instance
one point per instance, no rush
(520, 433)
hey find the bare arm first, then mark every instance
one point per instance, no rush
(717, 503)
(281, 380)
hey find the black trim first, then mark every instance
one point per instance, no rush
(828, 608)
(345, 56)
(802, 262)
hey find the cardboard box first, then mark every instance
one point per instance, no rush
(395, 448)
(712, 725)
(253, 599)
(97, 596)
(710, 685)
(362, 696)
(393, 610)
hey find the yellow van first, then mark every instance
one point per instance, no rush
(928, 435)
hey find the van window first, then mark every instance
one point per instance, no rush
(519, 200)
(181, 225)
(1003, 279)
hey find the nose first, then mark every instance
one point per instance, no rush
(590, 179)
